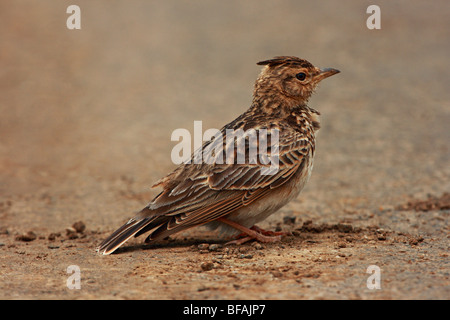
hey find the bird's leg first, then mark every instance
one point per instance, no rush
(251, 234)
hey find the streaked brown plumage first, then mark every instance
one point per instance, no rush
(236, 196)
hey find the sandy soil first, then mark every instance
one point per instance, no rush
(85, 126)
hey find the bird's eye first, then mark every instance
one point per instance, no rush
(300, 76)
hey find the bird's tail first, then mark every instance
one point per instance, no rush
(125, 232)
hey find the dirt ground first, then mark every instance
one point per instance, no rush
(86, 118)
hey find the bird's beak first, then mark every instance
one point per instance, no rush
(325, 73)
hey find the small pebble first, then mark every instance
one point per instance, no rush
(381, 237)
(257, 245)
(277, 274)
(214, 247)
(79, 226)
(52, 236)
(203, 246)
(289, 220)
(29, 236)
(70, 230)
(345, 228)
(206, 266)
(243, 249)
(202, 288)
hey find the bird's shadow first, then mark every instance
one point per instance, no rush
(171, 243)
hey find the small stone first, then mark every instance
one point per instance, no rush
(289, 220)
(296, 233)
(72, 236)
(29, 236)
(203, 246)
(207, 266)
(79, 226)
(52, 236)
(341, 245)
(415, 240)
(276, 274)
(381, 237)
(214, 247)
(257, 245)
(202, 288)
(346, 228)
(243, 249)
(70, 231)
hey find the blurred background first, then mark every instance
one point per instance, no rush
(86, 115)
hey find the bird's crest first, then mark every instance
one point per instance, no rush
(286, 60)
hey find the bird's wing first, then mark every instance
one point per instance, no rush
(197, 194)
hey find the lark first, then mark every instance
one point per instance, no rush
(233, 197)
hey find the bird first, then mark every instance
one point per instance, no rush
(232, 197)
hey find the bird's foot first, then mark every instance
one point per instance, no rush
(253, 233)
(258, 237)
(270, 233)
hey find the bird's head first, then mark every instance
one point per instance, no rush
(289, 80)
